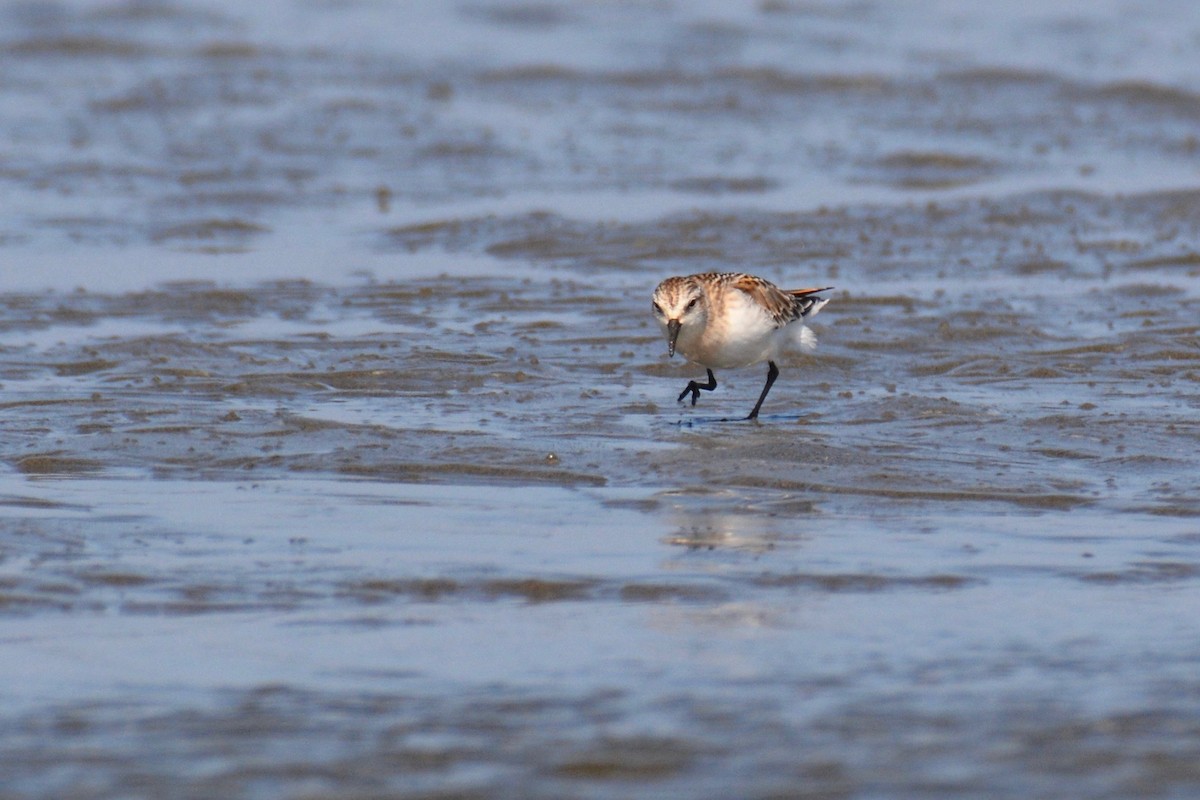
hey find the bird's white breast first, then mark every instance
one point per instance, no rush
(739, 332)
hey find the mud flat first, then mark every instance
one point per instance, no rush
(340, 457)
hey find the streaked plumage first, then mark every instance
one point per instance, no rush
(731, 319)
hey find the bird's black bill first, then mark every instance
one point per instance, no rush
(672, 335)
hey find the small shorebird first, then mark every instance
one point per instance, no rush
(731, 319)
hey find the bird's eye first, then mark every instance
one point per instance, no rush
(692, 304)
(657, 308)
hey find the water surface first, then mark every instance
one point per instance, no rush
(341, 458)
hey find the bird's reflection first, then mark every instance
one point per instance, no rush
(745, 525)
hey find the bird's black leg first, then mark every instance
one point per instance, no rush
(772, 374)
(695, 388)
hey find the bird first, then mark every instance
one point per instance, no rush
(726, 320)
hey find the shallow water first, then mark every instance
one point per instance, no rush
(341, 455)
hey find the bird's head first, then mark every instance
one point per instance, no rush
(679, 304)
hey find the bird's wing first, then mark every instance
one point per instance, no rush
(806, 301)
(779, 305)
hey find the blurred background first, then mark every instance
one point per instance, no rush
(339, 452)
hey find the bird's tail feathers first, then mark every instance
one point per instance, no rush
(807, 302)
(805, 339)
(817, 304)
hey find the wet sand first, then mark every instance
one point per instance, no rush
(340, 452)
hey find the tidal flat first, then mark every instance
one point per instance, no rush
(339, 450)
